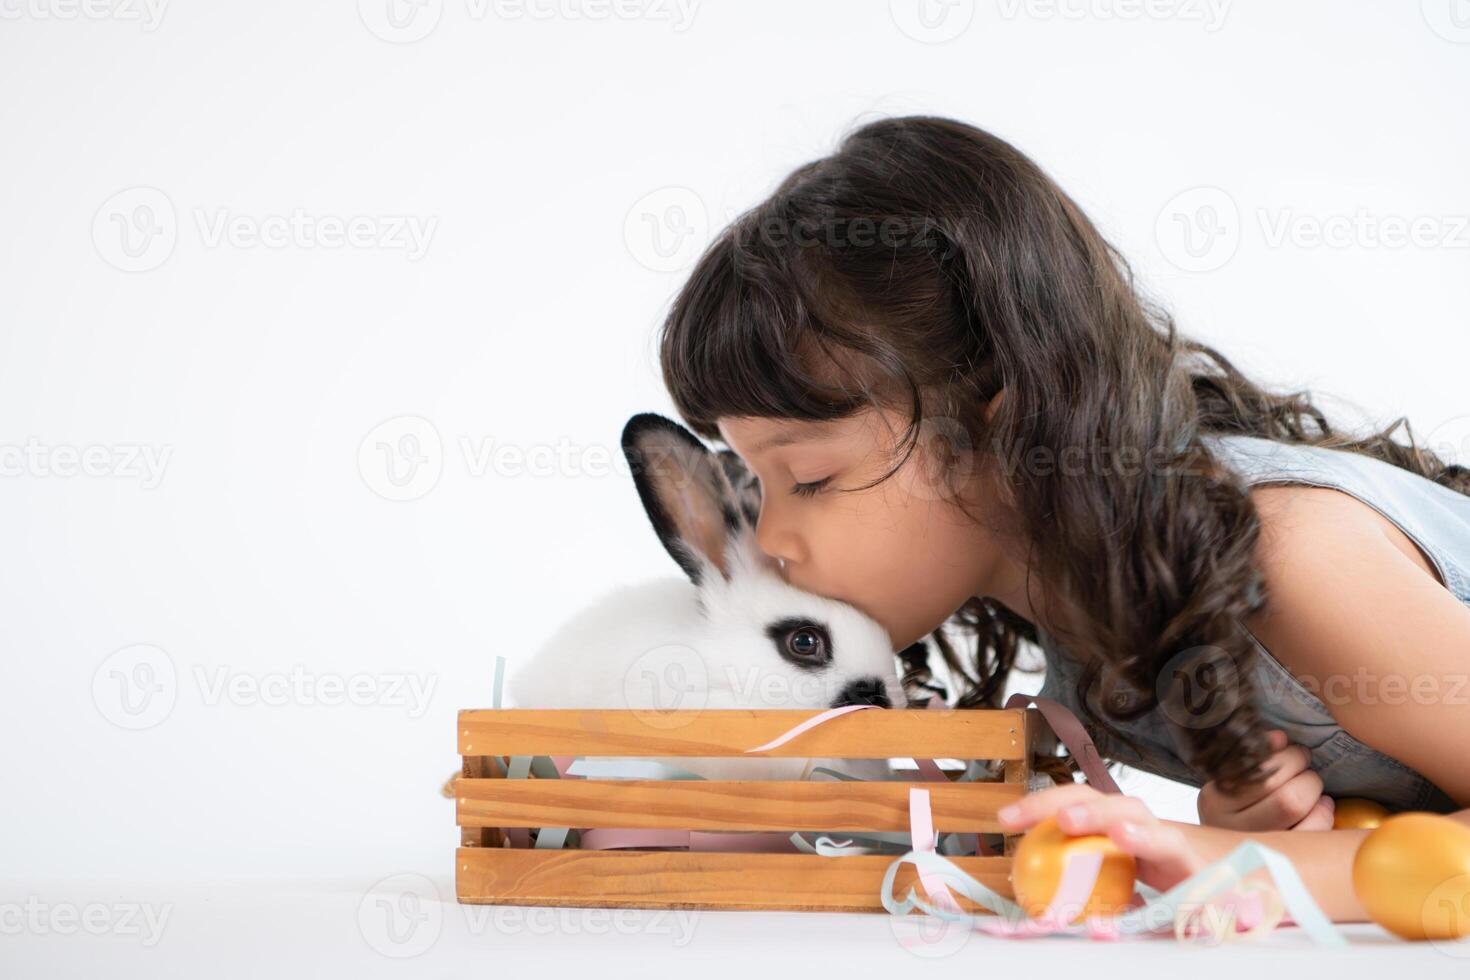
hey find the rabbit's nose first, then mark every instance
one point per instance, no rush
(864, 690)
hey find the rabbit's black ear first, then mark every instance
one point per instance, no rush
(685, 493)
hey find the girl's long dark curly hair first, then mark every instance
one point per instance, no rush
(939, 266)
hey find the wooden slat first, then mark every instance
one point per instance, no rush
(694, 880)
(875, 734)
(478, 767)
(1017, 772)
(726, 805)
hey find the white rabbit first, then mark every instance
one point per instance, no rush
(732, 634)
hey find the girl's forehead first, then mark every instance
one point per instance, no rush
(752, 436)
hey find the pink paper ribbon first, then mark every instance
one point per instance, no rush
(928, 770)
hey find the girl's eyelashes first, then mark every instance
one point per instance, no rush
(809, 489)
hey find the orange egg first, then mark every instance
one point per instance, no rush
(1357, 814)
(1041, 856)
(1412, 874)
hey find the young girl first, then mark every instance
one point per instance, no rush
(960, 411)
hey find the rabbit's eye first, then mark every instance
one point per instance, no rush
(807, 644)
(804, 642)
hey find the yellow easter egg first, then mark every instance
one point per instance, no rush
(1041, 856)
(1412, 874)
(1353, 813)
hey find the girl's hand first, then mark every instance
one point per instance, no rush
(1290, 799)
(1162, 854)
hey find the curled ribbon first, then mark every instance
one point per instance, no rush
(1186, 907)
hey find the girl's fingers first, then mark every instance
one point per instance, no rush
(1035, 807)
(1127, 821)
(1287, 805)
(1320, 816)
(1163, 853)
(1243, 809)
(1288, 762)
(1097, 815)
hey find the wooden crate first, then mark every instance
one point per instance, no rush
(489, 872)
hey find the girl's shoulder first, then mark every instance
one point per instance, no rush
(1303, 516)
(1330, 488)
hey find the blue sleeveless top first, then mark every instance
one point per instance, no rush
(1434, 517)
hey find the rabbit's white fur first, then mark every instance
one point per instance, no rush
(650, 647)
(672, 643)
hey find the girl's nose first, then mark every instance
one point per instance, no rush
(779, 542)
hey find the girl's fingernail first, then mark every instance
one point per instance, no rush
(1010, 813)
(1077, 814)
(1131, 830)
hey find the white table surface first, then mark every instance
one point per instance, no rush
(340, 926)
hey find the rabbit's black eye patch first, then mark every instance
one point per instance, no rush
(802, 641)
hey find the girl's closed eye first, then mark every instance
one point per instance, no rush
(811, 488)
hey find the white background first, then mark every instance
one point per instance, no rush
(564, 164)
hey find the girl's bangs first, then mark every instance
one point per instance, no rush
(747, 337)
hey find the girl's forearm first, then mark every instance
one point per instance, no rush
(1323, 858)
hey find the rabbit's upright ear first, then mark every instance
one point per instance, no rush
(684, 489)
(747, 488)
